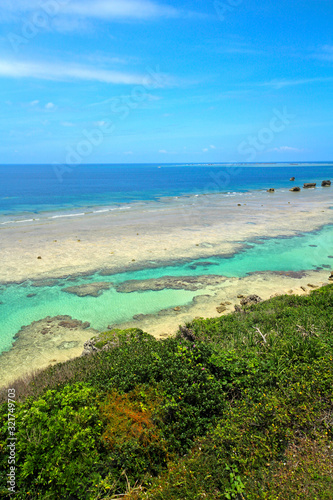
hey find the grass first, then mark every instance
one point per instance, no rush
(235, 407)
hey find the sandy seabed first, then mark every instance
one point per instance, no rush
(151, 234)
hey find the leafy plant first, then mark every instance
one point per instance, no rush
(224, 413)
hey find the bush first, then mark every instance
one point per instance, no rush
(58, 443)
(216, 417)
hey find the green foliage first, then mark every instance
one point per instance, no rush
(118, 337)
(305, 472)
(57, 443)
(193, 398)
(236, 488)
(215, 418)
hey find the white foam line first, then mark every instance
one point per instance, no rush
(18, 221)
(69, 215)
(25, 220)
(101, 211)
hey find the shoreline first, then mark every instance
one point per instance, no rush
(55, 340)
(214, 185)
(64, 212)
(264, 284)
(157, 235)
(154, 237)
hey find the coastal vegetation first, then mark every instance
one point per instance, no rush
(235, 407)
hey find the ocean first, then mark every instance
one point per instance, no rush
(30, 190)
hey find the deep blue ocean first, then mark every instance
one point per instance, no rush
(39, 188)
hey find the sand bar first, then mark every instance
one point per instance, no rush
(189, 227)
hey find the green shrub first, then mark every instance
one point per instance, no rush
(58, 443)
(214, 418)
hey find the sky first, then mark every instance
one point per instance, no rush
(165, 81)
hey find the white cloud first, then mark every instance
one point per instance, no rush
(34, 103)
(67, 72)
(205, 150)
(164, 151)
(115, 9)
(98, 9)
(278, 84)
(49, 106)
(105, 59)
(128, 153)
(67, 124)
(283, 149)
(212, 146)
(100, 123)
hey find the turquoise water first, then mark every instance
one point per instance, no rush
(306, 251)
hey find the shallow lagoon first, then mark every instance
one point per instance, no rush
(306, 251)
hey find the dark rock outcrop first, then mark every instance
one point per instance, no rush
(251, 299)
(202, 264)
(239, 309)
(220, 309)
(90, 289)
(294, 189)
(191, 283)
(325, 183)
(42, 283)
(309, 185)
(270, 190)
(71, 324)
(186, 333)
(52, 327)
(247, 301)
(292, 178)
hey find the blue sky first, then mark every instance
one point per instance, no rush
(136, 81)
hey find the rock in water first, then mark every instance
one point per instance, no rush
(296, 188)
(292, 178)
(309, 185)
(270, 190)
(325, 183)
(192, 283)
(92, 289)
